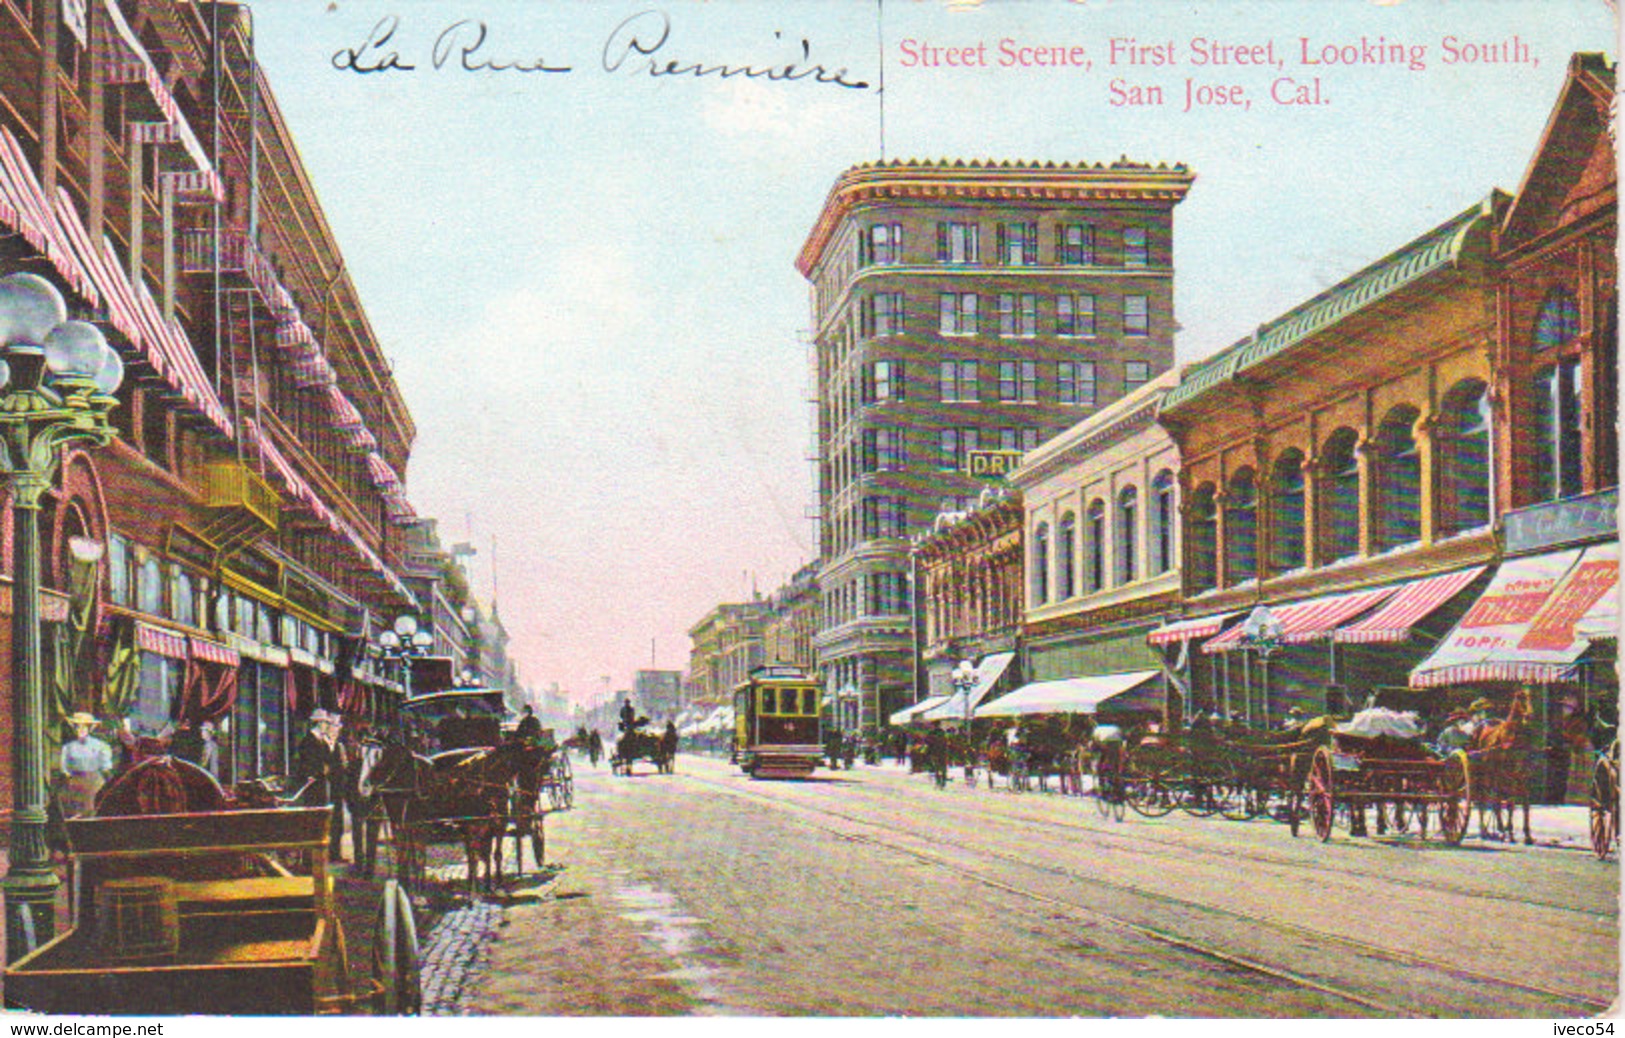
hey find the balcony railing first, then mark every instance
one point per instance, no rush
(229, 484)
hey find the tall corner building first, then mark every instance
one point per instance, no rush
(959, 307)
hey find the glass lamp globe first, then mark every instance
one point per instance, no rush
(390, 640)
(30, 307)
(406, 626)
(423, 639)
(76, 349)
(111, 375)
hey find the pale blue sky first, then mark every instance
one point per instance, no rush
(585, 280)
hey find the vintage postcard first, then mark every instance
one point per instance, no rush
(889, 510)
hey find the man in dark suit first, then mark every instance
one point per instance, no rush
(319, 760)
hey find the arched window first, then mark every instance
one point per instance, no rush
(1462, 445)
(1398, 481)
(1558, 321)
(1202, 537)
(180, 597)
(1163, 519)
(1287, 515)
(1066, 558)
(1241, 528)
(1340, 503)
(1128, 525)
(1094, 561)
(1040, 574)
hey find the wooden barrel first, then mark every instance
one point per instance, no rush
(136, 919)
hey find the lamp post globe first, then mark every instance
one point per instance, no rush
(57, 378)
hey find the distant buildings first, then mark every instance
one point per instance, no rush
(958, 308)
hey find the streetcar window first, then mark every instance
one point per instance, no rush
(767, 701)
(809, 704)
(787, 701)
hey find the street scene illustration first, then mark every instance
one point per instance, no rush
(867, 510)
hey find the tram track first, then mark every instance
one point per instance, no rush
(1139, 835)
(895, 839)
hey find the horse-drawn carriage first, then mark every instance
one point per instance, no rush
(201, 902)
(459, 778)
(638, 743)
(1397, 776)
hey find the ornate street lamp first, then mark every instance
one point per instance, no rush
(1261, 632)
(57, 379)
(402, 643)
(964, 679)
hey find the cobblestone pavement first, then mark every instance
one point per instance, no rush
(456, 948)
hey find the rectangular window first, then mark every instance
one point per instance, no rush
(883, 244)
(1075, 382)
(1135, 253)
(1018, 382)
(957, 243)
(1018, 315)
(1029, 382)
(881, 314)
(1009, 439)
(958, 382)
(948, 449)
(118, 569)
(957, 313)
(1018, 244)
(1075, 315)
(891, 449)
(1136, 373)
(1136, 316)
(1074, 244)
(1029, 439)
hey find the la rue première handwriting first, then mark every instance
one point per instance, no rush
(637, 44)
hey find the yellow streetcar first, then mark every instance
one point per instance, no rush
(777, 731)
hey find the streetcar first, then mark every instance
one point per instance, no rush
(777, 731)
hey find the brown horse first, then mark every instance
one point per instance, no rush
(1500, 753)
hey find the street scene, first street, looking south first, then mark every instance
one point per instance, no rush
(895, 514)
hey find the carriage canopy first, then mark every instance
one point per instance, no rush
(1130, 691)
(458, 718)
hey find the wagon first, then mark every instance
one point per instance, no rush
(218, 912)
(1382, 772)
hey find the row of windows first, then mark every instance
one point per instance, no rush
(959, 381)
(1071, 316)
(1015, 244)
(139, 580)
(873, 594)
(1087, 572)
(1391, 506)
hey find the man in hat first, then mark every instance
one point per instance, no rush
(319, 761)
(86, 763)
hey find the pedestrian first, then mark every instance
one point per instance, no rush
(529, 726)
(936, 753)
(86, 762)
(319, 769)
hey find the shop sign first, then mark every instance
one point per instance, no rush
(1562, 522)
(991, 464)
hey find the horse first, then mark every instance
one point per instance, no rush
(1501, 753)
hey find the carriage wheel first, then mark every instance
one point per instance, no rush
(1321, 793)
(395, 954)
(1146, 791)
(1456, 786)
(1604, 808)
(1402, 815)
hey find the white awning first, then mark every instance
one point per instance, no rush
(987, 675)
(1531, 623)
(905, 715)
(1068, 695)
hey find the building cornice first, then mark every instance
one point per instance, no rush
(1004, 182)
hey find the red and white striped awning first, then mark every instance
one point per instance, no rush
(213, 652)
(30, 214)
(160, 641)
(296, 485)
(1310, 621)
(1531, 621)
(1185, 630)
(1413, 603)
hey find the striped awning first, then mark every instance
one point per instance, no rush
(31, 214)
(1530, 622)
(1185, 630)
(162, 642)
(1310, 621)
(295, 484)
(1409, 607)
(213, 652)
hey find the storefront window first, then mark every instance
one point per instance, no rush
(156, 694)
(149, 590)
